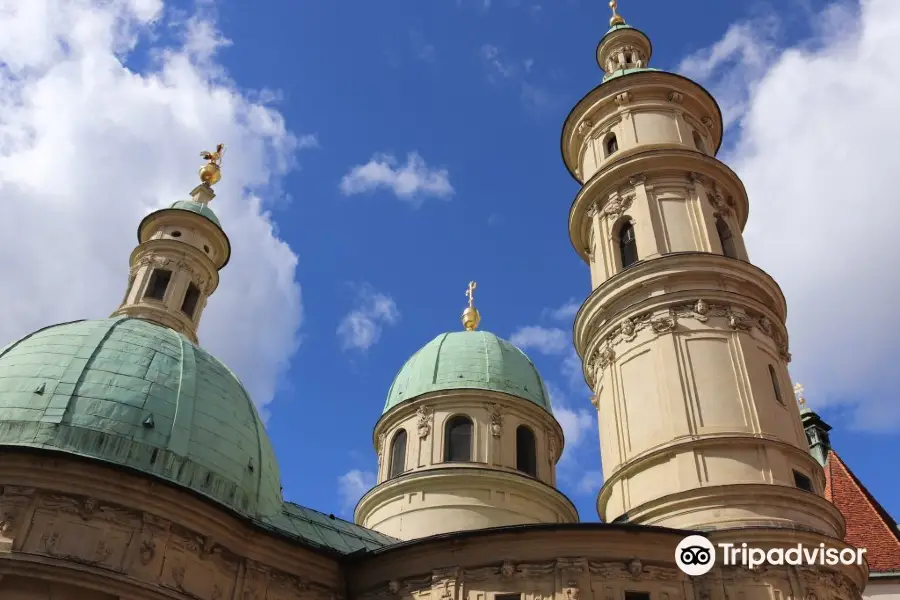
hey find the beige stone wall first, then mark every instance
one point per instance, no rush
(882, 590)
(70, 524)
(434, 496)
(588, 563)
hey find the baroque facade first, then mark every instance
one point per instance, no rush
(135, 466)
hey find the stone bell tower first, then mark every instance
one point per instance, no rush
(683, 339)
(175, 267)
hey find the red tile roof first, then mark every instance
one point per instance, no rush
(869, 526)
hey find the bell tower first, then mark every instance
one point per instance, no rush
(175, 267)
(682, 339)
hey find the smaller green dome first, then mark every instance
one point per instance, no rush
(199, 208)
(468, 360)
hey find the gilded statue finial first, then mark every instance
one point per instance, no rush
(471, 317)
(211, 172)
(798, 393)
(616, 17)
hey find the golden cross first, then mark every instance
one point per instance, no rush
(470, 293)
(798, 392)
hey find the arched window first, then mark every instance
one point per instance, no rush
(458, 440)
(627, 245)
(398, 454)
(726, 238)
(698, 142)
(611, 144)
(526, 451)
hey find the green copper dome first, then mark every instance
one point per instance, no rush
(199, 208)
(468, 360)
(128, 392)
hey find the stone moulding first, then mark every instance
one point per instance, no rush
(661, 321)
(571, 572)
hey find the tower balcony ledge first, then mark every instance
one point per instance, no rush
(639, 166)
(675, 279)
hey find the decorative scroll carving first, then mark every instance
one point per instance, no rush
(507, 570)
(628, 329)
(707, 122)
(638, 179)
(584, 126)
(617, 205)
(697, 177)
(676, 97)
(496, 420)
(379, 448)
(551, 447)
(424, 421)
(623, 98)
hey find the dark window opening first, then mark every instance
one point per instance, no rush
(627, 245)
(775, 387)
(191, 298)
(726, 238)
(206, 249)
(611, 144)
(508, 597)
(698, 142)
(526, 451)
(398, 454)
(803, 482)
(159, 282)
(176, 234)
(637, 596)
(627, 57)
(458, 440)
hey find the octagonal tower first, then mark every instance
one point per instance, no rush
(683, 339)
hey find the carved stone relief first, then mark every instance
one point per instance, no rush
(423, 423)
(623, 98)
(496, 420)
(676, 97)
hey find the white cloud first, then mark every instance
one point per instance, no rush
(816, 148)
(89, 146)
(352, 485)
(412, 182)
(361, 327)
(575, 422)
(590, 482)
(565, 312)
(546, 340)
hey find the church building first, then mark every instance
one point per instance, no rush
(134, 465)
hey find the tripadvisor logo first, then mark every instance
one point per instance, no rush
(696, 555)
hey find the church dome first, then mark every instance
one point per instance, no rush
(199, 208)
(132, 393)
(469, 360)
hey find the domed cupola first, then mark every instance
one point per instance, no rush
(135, 390)
(468, 438)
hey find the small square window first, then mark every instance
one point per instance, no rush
(637, 595)
(803, 482)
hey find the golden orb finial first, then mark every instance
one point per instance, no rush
(616, 17)
(211, 172)
(798, 393)
(471, 317)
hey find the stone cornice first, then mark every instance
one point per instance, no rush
(695, 99)
(174, 216)
(647, 162)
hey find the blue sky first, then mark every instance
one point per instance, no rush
(382, 155)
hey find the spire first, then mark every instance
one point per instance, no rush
(816, 429)
(175, 267)
(616, 17)
(471, 317)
